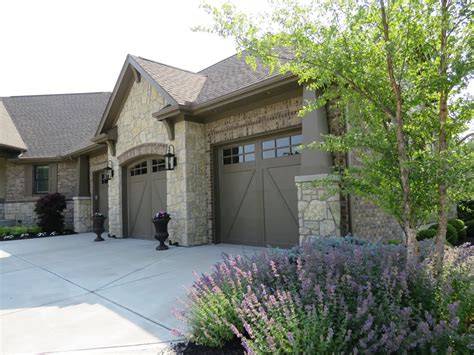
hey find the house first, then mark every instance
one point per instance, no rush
(240, 176)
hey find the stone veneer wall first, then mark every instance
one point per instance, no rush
(82, 214)
(319, 212)
(187, 186)
(19, 206)
(135, 126)
(265, 119)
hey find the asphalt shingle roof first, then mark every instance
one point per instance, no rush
(53, 125)
(220, 79)
(184, 86)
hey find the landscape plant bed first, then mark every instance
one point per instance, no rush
(9, 237)
(333, 295)
(233, 347)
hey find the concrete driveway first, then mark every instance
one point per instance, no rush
(69, 294)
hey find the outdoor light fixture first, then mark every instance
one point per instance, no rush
(109, 171)
(170, 158)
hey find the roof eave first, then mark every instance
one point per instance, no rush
(243, 93)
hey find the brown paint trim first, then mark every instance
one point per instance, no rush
(215, 177)
(124, 187)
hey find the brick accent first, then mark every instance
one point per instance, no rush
(142, 150)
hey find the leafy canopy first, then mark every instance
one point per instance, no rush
(338, 49)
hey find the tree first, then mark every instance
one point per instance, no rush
(398, 71)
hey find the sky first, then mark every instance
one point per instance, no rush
(69, 46)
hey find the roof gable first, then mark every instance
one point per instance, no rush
(9, 136)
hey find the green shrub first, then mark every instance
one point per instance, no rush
(460, 227)
(425, 234)
(315, 299)
(451, 233)
(465, 210)
(394, 242)
(470, 228)
(19, 230)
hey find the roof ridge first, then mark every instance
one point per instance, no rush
(220, 61)
(169, 66)
(63, 94)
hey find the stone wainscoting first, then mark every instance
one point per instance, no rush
(82, 214)
(24, 211)
(319, 211)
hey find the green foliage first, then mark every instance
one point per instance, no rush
(49, 209)
(19, 230)
(465, 210)
(425, 234)
(394, 242)
(339, 49)
(451, 233)
(470, 229)
(334, 296)
(460, 227)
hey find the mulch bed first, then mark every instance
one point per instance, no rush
(233, 347)
(7, 238)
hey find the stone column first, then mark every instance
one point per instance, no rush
(82, 214)
(186, 189)
(319, 211)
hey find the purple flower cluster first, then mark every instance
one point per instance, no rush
(334, 295)
(162, 215)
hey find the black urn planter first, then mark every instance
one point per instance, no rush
(161, 231)
(98, 227)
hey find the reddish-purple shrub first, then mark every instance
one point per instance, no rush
(335, 295)
(49, 210)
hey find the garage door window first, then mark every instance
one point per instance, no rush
(239, 154)
(281, 147)
(158, 165)
(139, 169)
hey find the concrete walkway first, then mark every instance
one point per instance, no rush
(70, 295)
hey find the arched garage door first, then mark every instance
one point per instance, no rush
(257, 193)
(146, 190)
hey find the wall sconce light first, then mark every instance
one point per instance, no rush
(109, 171)
(170, 158)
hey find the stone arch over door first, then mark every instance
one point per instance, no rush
(144, 193)
(157, 149)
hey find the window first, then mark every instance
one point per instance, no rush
(41, 181)
(157, 165)
(281, 147)
(139, 169)
(239, 154)
(103, 179)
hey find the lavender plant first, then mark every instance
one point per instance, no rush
(335, 295)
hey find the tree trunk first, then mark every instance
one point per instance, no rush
(408, 227)
(442, 143)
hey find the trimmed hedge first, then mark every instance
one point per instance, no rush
(470, 228)
(425, 234)
(451, 233)
(460, 227)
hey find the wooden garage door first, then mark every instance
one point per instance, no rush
(257, 192)
(146, 191)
